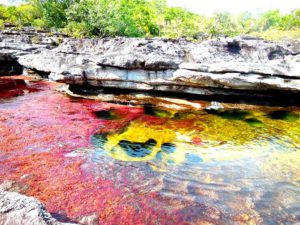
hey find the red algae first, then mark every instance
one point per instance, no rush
(46, 145)
(197, 140)
(38, 129)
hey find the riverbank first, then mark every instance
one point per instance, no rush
(226, 66)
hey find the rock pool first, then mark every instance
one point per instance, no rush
(140, 164)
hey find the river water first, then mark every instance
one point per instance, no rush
(126, 164)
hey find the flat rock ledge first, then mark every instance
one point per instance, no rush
(157, 64)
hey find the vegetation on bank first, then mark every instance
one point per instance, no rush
(145, 18)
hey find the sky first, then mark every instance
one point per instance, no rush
(208, 7)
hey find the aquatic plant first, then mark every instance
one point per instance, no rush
(153, 169)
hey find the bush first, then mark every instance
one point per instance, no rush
(277, 35)
(77, 30)
(145, 18)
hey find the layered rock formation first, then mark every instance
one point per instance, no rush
(215, 66)
(15, 43)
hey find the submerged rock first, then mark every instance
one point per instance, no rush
(214, 106)
(18, 209)
(92, 219)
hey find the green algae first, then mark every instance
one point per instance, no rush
(107, 115)
(195, 166)
(151, 110)
(228, 135)
(233, 114)
(254, 122)
(283, 115)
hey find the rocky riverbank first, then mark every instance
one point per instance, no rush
(18, 209)
(224, 66)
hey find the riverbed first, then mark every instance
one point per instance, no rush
(144, 164)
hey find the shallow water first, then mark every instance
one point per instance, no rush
(149, 165)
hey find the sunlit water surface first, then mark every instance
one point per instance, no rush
(148, 165)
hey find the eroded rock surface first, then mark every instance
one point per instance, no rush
(15, 43)
(18, 209)
(208, 67)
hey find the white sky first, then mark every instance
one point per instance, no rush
(7, 2)
(208, 7)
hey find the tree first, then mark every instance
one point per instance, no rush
(54, 11)
(145, 18)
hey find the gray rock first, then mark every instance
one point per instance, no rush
(238, 81)
(241, 63)
(214, 106)
(17, 209)
(92, 219)
(17, 43)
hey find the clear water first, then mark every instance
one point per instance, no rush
(152, 165)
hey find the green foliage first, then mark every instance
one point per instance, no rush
(24, 14)
(145, 18)
(53, 11)
(132, 18)
(275, 34)
(179, 22)
(1, 24)
(222, 24)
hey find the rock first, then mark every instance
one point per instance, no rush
(13, 187)
(157, 64)
(92, 219)
(133, 98)
(214, 106)
(17, 209)
(236, 81)
(15, 43)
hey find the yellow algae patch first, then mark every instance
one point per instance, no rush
(138, 132)
(224, 130)
(150, 142)
(248, 128)
(174, 138)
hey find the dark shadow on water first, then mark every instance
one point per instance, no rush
(138, 149)
(234, 114)
(254, 122)
(11, 84)
(168, 147)
(263, 98)
(106, 115)
(10, 67)
(10, 88)
(150, 109)
(62, 218)
(283, 115)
